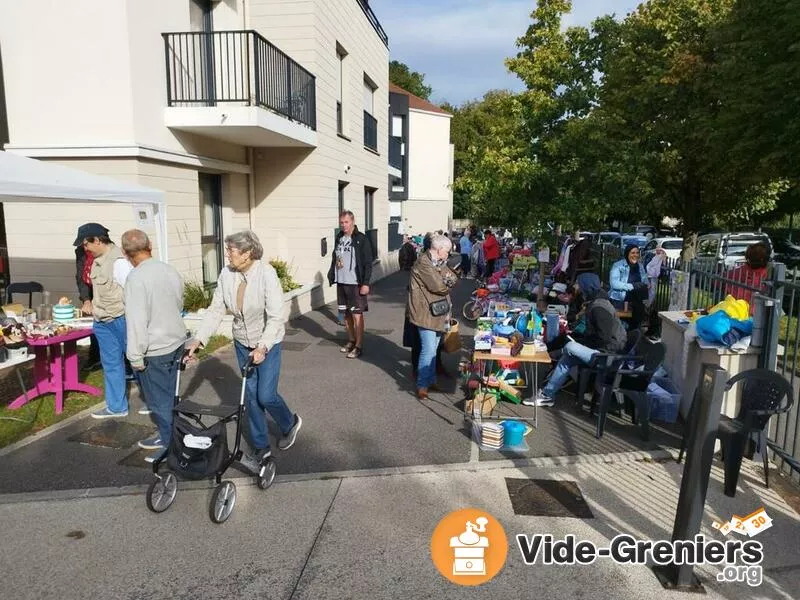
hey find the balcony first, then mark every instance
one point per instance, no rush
(370, 132)
(396, 157)
(237, 87)
(364, 4)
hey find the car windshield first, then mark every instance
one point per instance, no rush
(607, 238)
(672, 245)
(738, 247)
(639, 241)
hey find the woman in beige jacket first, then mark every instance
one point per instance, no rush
(430, 281)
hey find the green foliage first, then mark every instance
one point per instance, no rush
(284, 272)
(195, 296)
(410, 81)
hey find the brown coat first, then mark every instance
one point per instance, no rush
(427, 284)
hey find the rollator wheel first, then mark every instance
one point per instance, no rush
(470, 311)
(222, 502)
(161, 493)
(268, 476)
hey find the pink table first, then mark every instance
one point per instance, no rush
(58, 372)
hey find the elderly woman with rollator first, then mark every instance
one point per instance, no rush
(250, 289)
(429, 306)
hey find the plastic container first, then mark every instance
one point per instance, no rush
(63, 312)
(514, 433)
(665, 400)
(551, 326)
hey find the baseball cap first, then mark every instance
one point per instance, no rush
(88, 230)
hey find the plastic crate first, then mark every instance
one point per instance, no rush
(665, 400)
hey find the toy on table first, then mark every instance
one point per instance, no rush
(507, 392)
(512, 377)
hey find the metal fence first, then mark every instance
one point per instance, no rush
(710, 282)
(237, 67)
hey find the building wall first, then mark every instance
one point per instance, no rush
(422, 216)
(297, 189)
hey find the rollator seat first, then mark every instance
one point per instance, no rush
(223, 411)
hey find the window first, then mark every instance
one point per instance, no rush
(370, 122)
(369, 207)
(342, 185)
(651, 245)
(397, 126)
(369, 96)
(341, 55)
(210, 226)
(708, 247)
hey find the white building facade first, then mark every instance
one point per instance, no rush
(421, 160)
(262, 114)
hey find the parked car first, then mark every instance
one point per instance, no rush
(672, 247)
(625, 240)
(647, 231)
(605, 237)
(729, 248)
(786, 252)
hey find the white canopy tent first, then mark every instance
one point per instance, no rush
(25, 179)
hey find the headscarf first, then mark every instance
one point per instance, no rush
(627, 252)
(590, 286)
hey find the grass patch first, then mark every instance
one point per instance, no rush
(41, 412)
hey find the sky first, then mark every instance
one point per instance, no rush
(460, 45)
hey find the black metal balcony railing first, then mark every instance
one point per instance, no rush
(374, 21)
(396, 152)
(370, 131)
(339, 121)
(237, 67)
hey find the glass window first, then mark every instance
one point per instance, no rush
(651, 245)
(210, 226)
(369, 97)
(369, 207)
(672, 245)
(708, 247)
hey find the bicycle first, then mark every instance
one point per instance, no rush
(479, 305)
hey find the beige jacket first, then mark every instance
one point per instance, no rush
(427, 284)
(261, 322)
(108, 299)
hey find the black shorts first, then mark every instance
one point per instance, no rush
(349, 300)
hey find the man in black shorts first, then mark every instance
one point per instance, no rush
(351, 270)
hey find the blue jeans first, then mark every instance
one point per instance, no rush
(465, 264)
(426, 369)
(261, 393)
(574, 354)
(112, 337)
(158, 386)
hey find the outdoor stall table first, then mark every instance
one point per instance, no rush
(56, 372)
(530, 362)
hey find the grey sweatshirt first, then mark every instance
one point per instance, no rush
(153, 306)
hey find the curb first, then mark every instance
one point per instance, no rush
(494, 465)
(35, 437)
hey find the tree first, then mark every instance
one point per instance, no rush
(410, 81)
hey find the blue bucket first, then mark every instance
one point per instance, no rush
(514, 431)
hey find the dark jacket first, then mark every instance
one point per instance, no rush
(362, 251)
(84, 290)
(407, 256)
(427, 284)
(604, 330)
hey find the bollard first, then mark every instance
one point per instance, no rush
(703, 424)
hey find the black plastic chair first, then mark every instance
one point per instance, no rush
(765, 393)
(631, 383)
(598, 366)
(23, 287)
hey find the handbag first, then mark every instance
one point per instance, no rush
(451, 342)
(440, 308)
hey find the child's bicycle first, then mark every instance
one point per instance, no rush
(479, 305)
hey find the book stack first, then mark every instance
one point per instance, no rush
(492, 436)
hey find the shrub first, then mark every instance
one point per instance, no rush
(195, 296)
(283, 270)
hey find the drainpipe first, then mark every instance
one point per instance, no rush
(251, 188)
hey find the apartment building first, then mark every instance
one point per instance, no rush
(262, 114)
(421, 160)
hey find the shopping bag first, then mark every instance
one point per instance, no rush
(452, 339)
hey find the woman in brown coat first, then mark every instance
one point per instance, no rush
(430, 283)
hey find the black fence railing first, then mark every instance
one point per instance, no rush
(237, 67)
(370, 131)
(364, 4)
(396, 152)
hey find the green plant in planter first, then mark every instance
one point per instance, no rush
(195, 296)
(283, 269)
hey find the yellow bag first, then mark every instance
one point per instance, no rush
(452, 339)
(735, 309)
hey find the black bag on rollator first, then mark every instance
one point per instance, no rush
(194, 462)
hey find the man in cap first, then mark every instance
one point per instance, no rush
(108, 273)
(83, 266)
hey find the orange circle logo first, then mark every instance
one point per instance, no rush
(469, 547)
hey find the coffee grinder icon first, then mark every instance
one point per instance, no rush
(469, 549)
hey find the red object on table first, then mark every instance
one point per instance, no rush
(58, 372)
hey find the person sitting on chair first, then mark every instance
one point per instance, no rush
(628, 281)
(604, 333)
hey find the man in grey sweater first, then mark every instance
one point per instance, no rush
(156, 332)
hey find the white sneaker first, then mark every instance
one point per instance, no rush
(539, 400)
(144, 411)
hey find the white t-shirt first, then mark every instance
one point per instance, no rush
(122, 268)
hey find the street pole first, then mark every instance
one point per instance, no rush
(703, 424)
